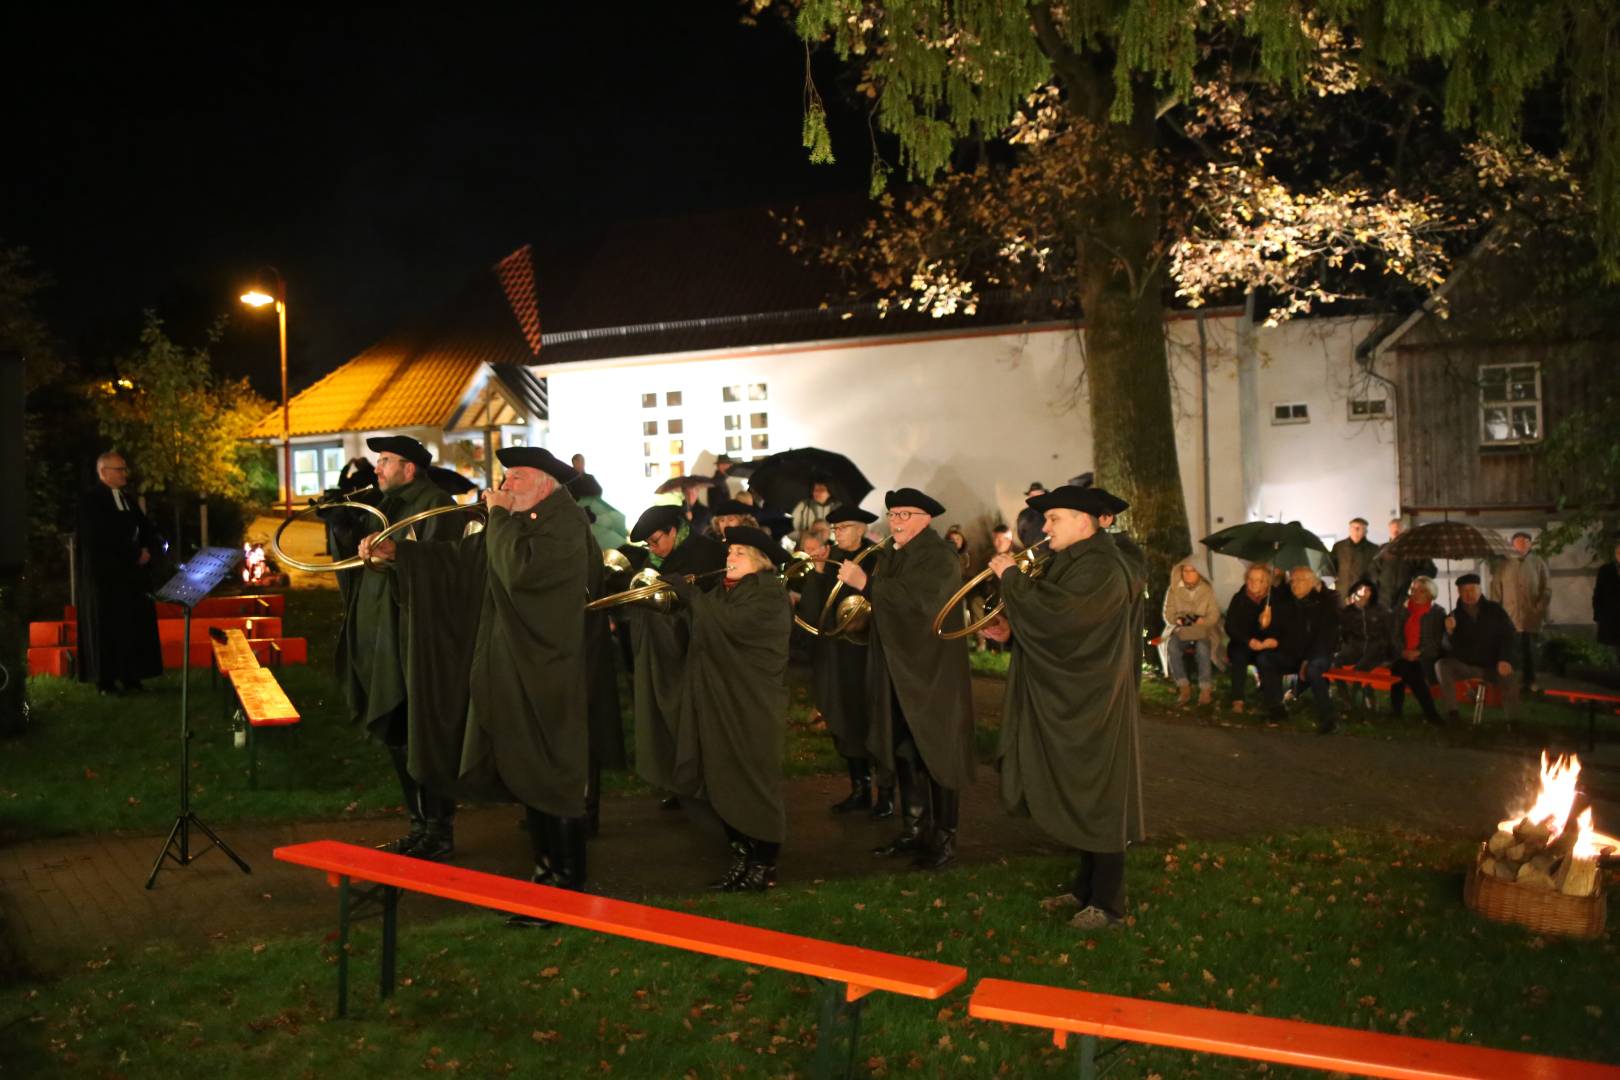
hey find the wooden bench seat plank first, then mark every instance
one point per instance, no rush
(234, 652)
(863, 969)
(264, 702)
(1377, 678)
(1578, 696)
(1286, 1042)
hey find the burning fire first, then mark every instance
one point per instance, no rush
(254, 567)
(1551, 810)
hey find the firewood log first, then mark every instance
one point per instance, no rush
(1500, 842)
(1577, 877)
(1534, 834)
(1517, 853)
(1507, 871)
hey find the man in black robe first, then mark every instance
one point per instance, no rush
(1069, 756)
(838, 669)
(118, 638)
(918, 688)
(370, 662)
(512, 667)
(658, 641)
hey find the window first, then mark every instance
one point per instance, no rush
(672, 398)
(677, 448)
(1369, 408)
(760, 442)
(731, 393)
(1293, 412)
(757, 420)
(649, 427)
(1509, 404)
(649, 401)
(733, 444)
(316, 468)
(734, 421)
(650, 469)
(677, 468)
(676, 426)
(646, 449)
(756, 391)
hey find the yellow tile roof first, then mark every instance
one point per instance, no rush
(418, 377)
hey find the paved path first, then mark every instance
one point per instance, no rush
(67, 899)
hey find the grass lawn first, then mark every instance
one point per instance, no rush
(1362, 930)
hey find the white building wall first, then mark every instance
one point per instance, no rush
(973, 419)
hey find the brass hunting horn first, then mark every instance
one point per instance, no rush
(315, 506)
(1026, 562)
(476, 511)
(854, 611)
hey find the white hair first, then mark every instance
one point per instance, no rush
(1424, 583)
(108, 456)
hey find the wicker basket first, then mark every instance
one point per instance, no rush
(1541, 910)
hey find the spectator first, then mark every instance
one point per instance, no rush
(1366, 639)
(982, 598)
(1030, 523)
(1247, 639)
(1418, 632)
(958, 541)
(1190, 618)
(1479, 643)
(118, 634)
(1522, 584)
(1393, 574)
(814, 508)
(1305, 624)
(607, 523)
(1606, 602)
(719, 485)
(698, 517)
(1352, 559)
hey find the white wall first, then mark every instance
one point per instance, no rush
(972, 420)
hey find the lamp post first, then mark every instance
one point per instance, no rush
(258, 298)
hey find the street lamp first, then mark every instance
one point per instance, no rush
(258, 298)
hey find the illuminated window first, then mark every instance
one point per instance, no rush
(649, 401)
(756, 391)
(646, 449)
(677, 448)
(650, 469)
(757, 420)
(1509, 404)
(676, 426)
(734, 421)
(649, 427)
(760, 442)
(731, 393)
(733, 444)
(672, 398)
(677, 468)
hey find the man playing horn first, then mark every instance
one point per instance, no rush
(496, 632)
(1068, 753)
(370, 658)
(918, 689)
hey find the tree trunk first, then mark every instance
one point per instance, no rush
(1122, 302)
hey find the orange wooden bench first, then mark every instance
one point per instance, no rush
(1258, 1038)
(262, 701)
(1379, 678)
(213, 607)
(847, 973)
(1592, 700)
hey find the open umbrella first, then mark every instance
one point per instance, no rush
(1281, 544)
(783, 479)
(1448, 540)
(681, 483)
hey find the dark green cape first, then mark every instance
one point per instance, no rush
(606, 726)
(370, 660)
(514, 663)
(906, 661)
(734, 704)
(659, 644)
(1069, 756)
(837, 666)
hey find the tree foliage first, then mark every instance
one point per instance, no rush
(178, 423)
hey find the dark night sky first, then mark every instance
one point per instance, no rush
(375, 157)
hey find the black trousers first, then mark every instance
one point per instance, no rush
(1099, 881)
(1410, 672)
(1527, 647)
(1238, 658)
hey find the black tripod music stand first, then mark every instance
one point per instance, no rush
(195, 579)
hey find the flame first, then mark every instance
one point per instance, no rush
(1554, 800)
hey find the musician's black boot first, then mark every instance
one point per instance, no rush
(593, 798)
(942, 846)
(739, 861)
(439, 841)
(759, 873)
(412, 792)
(569, 842)
(860, 787)
(883, 805)
(542, 836)
(913, 810)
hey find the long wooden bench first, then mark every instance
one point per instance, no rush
(1592, 700)
(262, 701)
(1286, 1042)
(847, 973)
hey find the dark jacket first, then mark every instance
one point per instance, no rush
(1431, 635)
(1305, 629)
(1243, 619)
(1606, 603)
(1484, 637)
(1028, 526)
(1364, 636)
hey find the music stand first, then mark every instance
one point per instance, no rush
(195, 579)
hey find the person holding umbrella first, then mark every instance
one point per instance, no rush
(814, 507)
(1305, 625)
(1248, 631)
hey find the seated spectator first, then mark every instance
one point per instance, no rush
(1247, 640)
(1418, 628)
(1190, 616)
(1305, 624)
(1365, 638)
(1479, 645)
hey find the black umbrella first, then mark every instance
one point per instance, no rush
(449, 480)
(782, 480)
(1281, 544)
(682, 483)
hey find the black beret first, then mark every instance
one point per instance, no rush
(759, 540)
(723, 459)
(839, 515)
(1091, 501)
(731, 507)
(656, 519)
(536, 457)
(1034, 485)
(1115, 505)
(1468, 579)
(403, 446)
(913, 497)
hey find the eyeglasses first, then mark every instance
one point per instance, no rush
(905, 515)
